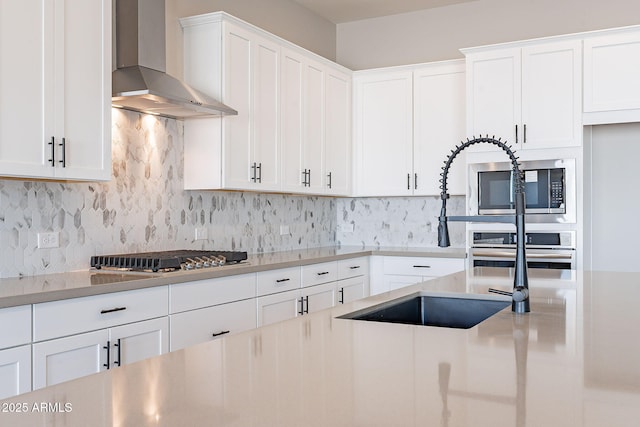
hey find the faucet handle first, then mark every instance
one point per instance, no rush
(500, 292)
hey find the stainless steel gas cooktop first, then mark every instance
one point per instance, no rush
(167, 260)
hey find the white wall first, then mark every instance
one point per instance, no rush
(612, 202)
(437, 34)
(284, 18)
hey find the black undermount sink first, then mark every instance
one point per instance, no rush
(432, 310)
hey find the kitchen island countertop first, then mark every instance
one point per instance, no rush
(572, 361)
(51, 287)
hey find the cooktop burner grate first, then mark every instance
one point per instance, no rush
(163, 260)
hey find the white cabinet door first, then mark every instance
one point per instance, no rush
(15, 371)
(338, 145)
(493, 95)
(277, 307)
(384, 133)
(552, 95)
(68, 358)
(319, 297)
(23, 104)
(611, 69)
(352, 289)
(205, 324)
(137, 341)
(439, 125)
(314, 127)
(293, 106)
(82, 90)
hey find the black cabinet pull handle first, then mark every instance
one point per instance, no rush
(304, 177)
(341, 292)
(259, 167)
(63, 145)
(306, 299)
(353, 267)
(117, 362)
(516, 134)
(524, 134)
(282, 280)
(309, 178)
(253, 172)
(329, 177)
(52, 160)
(113, 310)
(421, 266)
(408, 181)
(415, 181)
(219, 333)
(108, 348)
(322, 273)
(301, 311)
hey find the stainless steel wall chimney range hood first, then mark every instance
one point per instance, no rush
(140, 82)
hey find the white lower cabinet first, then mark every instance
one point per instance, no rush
(82, 336)
(205, 324)
(351, 289)
(287, 305)
(15, 371)
(391, 272)
(67, 358)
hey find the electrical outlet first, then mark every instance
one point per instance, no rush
(48, 240)
(284, 230)
(202, 233)
(346, 228)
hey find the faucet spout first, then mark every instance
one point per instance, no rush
(520, 294)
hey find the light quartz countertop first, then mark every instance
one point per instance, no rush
(51, 287)
(572, 361)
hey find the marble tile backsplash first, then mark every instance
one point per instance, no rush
(397, 221)
(144, 208)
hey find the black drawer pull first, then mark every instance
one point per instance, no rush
(322, 273)
(354, 267)
(112, 310)
(282, 280)
(421, 266)
(220, 333)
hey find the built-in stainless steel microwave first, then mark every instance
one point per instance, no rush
(549, 190)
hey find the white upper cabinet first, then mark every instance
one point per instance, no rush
(611, 70)
(282, 93)
(316, 126)
(55, 89)
(383, 112)
(529, 96)
(407, 119)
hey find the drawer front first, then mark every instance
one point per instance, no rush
(316, 274)
(15, 326)
(353, 267)
(285, 279)
(73, 316)
(205, 293)
(422, 266)
(198, 326)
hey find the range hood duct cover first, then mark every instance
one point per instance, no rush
(140, 82)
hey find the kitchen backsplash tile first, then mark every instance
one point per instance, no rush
(397, 221)
(144, 208)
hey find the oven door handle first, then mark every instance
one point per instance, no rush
(501, 254)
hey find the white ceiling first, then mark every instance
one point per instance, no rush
(339, 11)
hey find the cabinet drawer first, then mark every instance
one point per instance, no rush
(422, 266)
(316, 274)
(72, 316)
(15, 326)
(353, 267)
(205, 293)
(285, 279)
(198, 326)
